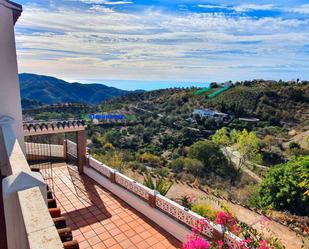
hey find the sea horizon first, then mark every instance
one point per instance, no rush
(132, 85)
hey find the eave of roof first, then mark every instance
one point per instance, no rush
(53, 127)
(15, 7)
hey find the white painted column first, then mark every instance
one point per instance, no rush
(10, 104)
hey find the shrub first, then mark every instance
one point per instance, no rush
(135, 165)
(252, 239)
(109, 146)
(186, 201)
(177, 165)
(193, 166)
(294, 145)
(159, 185)
(196, 242)
(204, 210)
(153, 160)
(189, 165)
(142, 168)
(211, 156)
(163, 171)
(283, 188)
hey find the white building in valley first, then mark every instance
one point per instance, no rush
(207, 113)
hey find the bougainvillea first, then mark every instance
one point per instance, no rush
(197, 241)
(227, 220)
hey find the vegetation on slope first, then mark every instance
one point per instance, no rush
(50, 90)
(283, 188)
(169, 141)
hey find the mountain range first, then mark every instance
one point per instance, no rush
(50, 90)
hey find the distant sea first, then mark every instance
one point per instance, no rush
(148, 85)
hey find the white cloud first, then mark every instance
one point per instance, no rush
(83, 44)
(250, 7)
(303, 9)
(239, 8)
(100, 8)
(107, 2)
(209, 6)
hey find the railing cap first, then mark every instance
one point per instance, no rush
(6, 120)
(21, 181)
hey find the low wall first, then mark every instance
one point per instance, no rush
(170, 225)
(168, 214)
(172, 217)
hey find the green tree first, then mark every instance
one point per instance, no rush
(234, 134)
(189, 165)
(283, 187)
(178, 164)
(248, 146)
(193, 166)
(221, 138)
(211, 156)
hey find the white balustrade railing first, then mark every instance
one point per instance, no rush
(40, 149)
(72, 148)
(232, 240)
(181, 214)
(132, 186)
(100, 167)
(186, 216)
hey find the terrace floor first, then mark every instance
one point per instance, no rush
(99, 219)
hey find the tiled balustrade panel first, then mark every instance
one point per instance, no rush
(132, 186)
(166, 205)
(72, 148)
(183, 215)
(54, 150)
(100, 167)
(232, 240)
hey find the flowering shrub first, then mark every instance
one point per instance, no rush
(196, 242)
(226, 219)
(252, 238)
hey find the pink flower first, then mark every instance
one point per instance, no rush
(244, 243)
(196, 242)
(221, 218)
(234, 229)
(220, 244)
(230, 219)
(263, 244)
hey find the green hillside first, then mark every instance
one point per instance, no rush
(273, 103)
(50, 90)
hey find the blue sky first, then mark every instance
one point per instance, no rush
(135, 44)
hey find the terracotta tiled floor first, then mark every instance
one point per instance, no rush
(101, 220)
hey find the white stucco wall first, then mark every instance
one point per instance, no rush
(10, 104)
